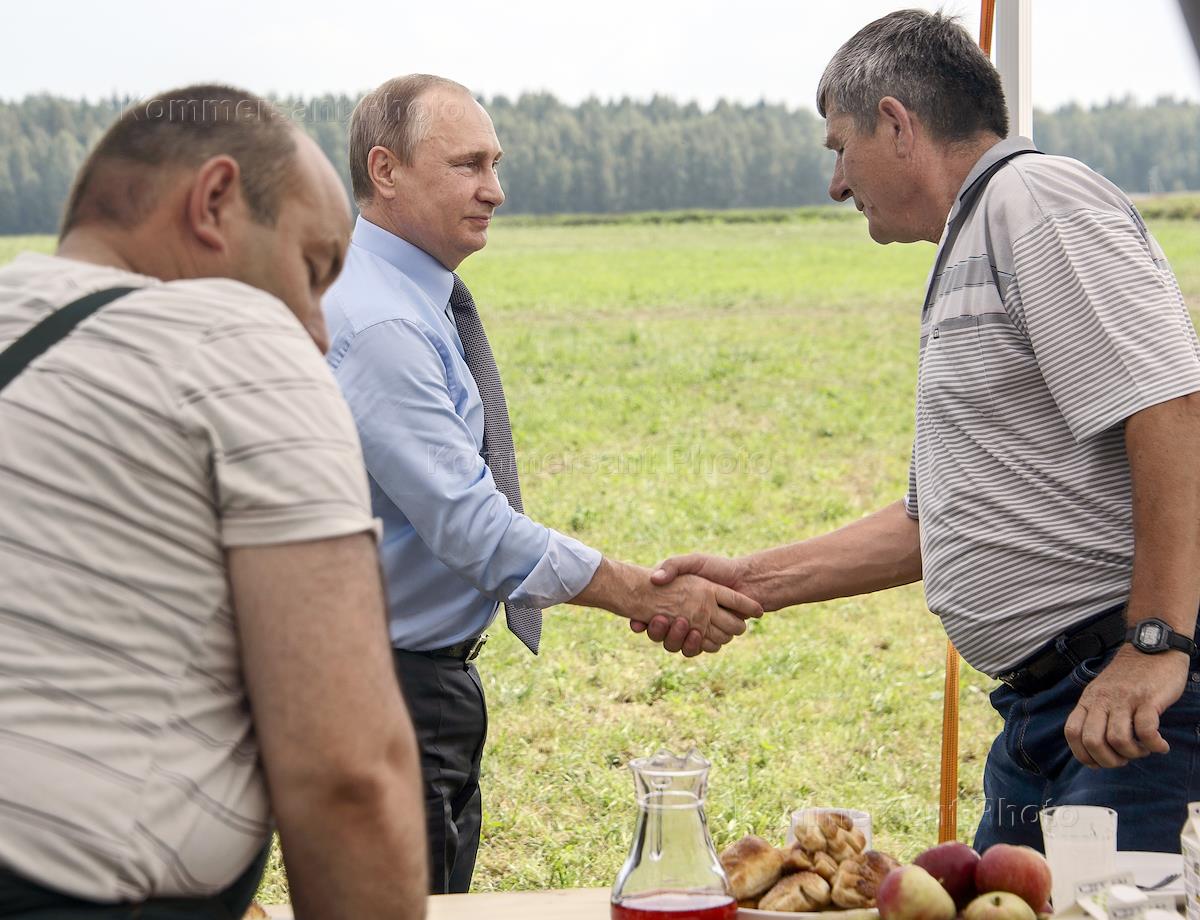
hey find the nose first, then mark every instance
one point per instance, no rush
(490, 191)
(838, 189)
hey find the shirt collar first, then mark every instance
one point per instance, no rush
(430, 275)
(996, 152)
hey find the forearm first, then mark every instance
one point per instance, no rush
(1163, 443)
(357, 849)
(614, 587)
(337, 745)
(880, 551)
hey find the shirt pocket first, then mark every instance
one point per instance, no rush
(954, 376)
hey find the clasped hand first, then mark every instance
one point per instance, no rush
(697, 605)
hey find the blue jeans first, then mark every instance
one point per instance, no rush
(1030, 766)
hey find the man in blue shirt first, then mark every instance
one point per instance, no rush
(410, 353)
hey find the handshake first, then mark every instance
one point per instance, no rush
(689, 604)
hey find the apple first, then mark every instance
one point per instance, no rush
(952, 864)
(999, 905)
(1020, 870)
(911, 893)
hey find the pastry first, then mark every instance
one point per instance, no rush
(753, 866)
(796, 859)
(801, 891)
(858, 877)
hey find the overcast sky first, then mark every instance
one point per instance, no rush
(1083, 50)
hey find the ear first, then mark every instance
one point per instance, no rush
(382, 166)
(898, 121)
(214, 202)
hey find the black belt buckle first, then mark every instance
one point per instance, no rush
(476, 647)
(1014, 680)
(1008, 678)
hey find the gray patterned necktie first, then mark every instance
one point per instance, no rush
(498, 452)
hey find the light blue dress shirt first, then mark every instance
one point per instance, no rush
(452, 546)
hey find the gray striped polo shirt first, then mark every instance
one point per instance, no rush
(179, 421)
(1054, 317)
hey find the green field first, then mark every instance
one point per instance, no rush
(724, 387)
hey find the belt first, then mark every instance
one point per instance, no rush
(467, 650)
(1045, 668)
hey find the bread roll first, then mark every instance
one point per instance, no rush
(796, 859)
(825, 866)
(802, 891)
(858, 878)
(753, 866)
(831, 832)
(843, 844)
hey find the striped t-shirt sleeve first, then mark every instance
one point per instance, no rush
(285, 458)
(1105, 318)
(910, 497)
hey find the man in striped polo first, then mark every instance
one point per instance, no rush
(1053, 503)
(192, 636)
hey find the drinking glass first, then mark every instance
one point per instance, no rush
(1081, 846)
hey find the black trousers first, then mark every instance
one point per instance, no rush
(24, 899)
(449, 714)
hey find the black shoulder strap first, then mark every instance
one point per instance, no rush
(58, 324)
(965, 202)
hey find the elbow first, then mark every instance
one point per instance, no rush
(347, 779)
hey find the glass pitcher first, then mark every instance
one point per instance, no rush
(672, 872)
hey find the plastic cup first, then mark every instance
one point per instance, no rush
(1081, 846)
(802, 816)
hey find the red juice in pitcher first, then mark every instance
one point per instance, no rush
(676, 907)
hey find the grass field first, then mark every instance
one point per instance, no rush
(724, 387)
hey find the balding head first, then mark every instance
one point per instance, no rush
(396, 115)
(178, 130)
(213, 182)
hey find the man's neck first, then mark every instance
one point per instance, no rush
(381, 218)
(950, 166)
(121, 249)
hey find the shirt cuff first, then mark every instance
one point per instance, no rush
(564, 570)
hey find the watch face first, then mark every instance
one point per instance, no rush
(1150, 634)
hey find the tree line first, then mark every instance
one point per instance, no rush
(622, 155)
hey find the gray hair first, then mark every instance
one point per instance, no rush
(929, 63)
(391, 116)
(119, 182)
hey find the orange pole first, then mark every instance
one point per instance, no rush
(948, 795)
(987, 18)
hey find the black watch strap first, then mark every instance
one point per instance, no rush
(1153, 636)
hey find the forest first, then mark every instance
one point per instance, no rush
(619, 155)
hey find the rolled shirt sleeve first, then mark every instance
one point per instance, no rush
(425, 458)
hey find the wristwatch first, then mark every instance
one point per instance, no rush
(1153, 636)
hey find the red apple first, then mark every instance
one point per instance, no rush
(1020, 870)
(999, 905)
(911, 893)
(952, 864)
